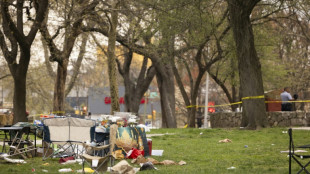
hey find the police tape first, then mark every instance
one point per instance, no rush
(247, 98)
(47, 114)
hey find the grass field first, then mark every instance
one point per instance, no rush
(250, 152)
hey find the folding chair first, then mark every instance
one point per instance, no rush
(295, 156)
(98, 159)
(67, 133)
(21, 139)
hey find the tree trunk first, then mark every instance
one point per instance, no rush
(19, 100)
(167, 97)
(254, 109)
(77, 65)
(111, 60)
(60, 86)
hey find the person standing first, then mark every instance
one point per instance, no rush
(286, 97)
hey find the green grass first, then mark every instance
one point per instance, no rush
(203, 153)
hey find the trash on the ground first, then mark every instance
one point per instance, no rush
(65, 170)
(18, 161)
(118, 154)
(201, 133)
(226, 140)
(284, 132)
(86, 170)
(147, 166)
(65, 159)
(140, 159)
(157, 152)
(123, 168)
(246, 146)
(167, 162)
(69, 162)
(45, 164)
(33, 169)
(298, 151)
(272, 144)
(45, 171)
(134, 153)
(232, 167)
(181, 163)
(152, 160)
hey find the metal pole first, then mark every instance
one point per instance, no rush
(206, 102)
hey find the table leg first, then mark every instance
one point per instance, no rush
(35, 142)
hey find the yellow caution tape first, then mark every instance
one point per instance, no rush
(54, 112)
(253, 97)
(247, 98)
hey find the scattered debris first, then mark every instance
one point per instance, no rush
(296, 151)
(65, 159)
(167, 162)
(45, 164)
(45, 171)
(123, 168)
(65, 170)
(181, 163)
(69, 162)
(245, 146)
(86, 170)
(157, 152)
(232, 167)
(147, 166)
(20, 161)
(225, 141)
(142, 160)
(201, 133)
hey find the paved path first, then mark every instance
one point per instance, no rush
(301, 128)
(153, 135)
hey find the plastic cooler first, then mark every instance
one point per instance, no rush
(149, 143)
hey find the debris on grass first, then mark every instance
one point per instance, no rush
(65, 170)
(147, 166)
(123, 167)
(181, 163)
(225, 141)
(142, 160)
(232, 167)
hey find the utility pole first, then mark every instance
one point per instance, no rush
(205, 125)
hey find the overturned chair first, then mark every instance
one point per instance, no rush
(21, 144)
(67, 133)
(297, 157)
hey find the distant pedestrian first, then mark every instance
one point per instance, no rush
(286, 97)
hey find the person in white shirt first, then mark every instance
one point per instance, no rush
(286, 97)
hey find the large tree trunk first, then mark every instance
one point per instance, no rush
(19, 100)
(251, 83)
(60, 86)
(167, 97)
(111, 59)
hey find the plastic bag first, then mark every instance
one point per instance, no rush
(134, 153)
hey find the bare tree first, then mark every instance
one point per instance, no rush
(13, 30)
(75, 13)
